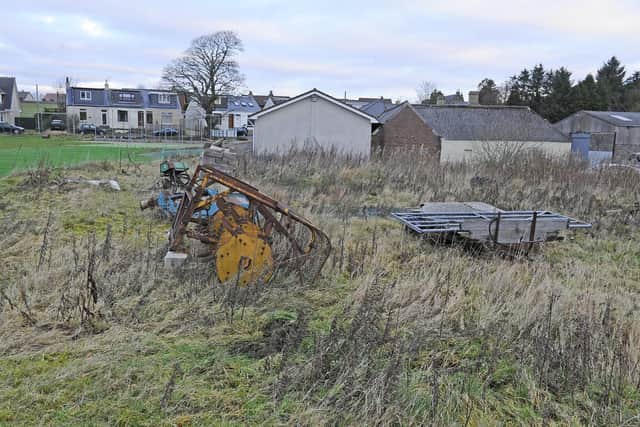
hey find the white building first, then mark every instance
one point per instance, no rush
(9, 100)
(124, 108)
(313, 119)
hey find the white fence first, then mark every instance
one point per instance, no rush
(224, 133)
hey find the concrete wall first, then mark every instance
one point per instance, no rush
(320, 123)
(627, 139)
(94, 116)
(454, 151)
(407, 132)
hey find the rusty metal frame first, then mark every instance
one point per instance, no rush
(194, 199)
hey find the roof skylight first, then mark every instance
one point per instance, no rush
(619, 117)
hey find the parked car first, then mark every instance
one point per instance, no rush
(9, 128)
(90, 129)
(57, 124)
(166, 132)
(242, 131)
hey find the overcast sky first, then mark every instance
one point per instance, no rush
(367, 48)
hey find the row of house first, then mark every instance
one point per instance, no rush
(450, 130)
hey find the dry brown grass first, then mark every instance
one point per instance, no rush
(396, 331)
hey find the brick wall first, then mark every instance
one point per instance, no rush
(407, 132)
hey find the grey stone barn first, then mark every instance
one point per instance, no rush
(313, 120)
(617, 132)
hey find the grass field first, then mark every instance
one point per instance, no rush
(395, 331)
(18, 152)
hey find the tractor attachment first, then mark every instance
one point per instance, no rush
(251, 236)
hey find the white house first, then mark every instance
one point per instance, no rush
(313, 119)
(233, 111)
(124, 108)
(9, 100)
(195, 118)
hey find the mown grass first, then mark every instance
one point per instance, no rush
(395, 331)
(19, 152)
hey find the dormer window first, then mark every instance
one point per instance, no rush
(163, 98)
(127, 97)
(85, 95)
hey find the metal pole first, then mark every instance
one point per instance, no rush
(38, 108)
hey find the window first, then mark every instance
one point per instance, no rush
(163, 98)
(218, 100)
(83, 115)
(149, 118)
(123, 116)
(85, 95)
(127, 97)
(167, 117)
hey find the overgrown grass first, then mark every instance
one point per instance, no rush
(395, 331)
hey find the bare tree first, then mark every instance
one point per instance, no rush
(207, 69)
(424, 91)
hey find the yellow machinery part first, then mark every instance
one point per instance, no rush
(242, 254)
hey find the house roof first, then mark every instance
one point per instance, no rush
(488, 123)
(617, 118)
(261, 99)
(391, 112)
(6, 87)
(377, 107)
(242, 103)
(320, 94)
(276, 99)
(105, 97)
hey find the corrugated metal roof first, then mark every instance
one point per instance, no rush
(617, 118)
(488, 123)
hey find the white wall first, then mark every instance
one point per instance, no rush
(454, 151)
(94, 116)
(240, 119)
(316, 122)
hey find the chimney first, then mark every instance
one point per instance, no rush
(270, 93)
(106, 84)
(67, 83)
(474, 97)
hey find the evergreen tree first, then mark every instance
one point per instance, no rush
(435, 95)
(560, 101)
(632, 92)
(610, 78)
(489, 93)
(587, 96)
(520, 93)
(538, 87)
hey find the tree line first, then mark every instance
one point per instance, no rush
(554, 95)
